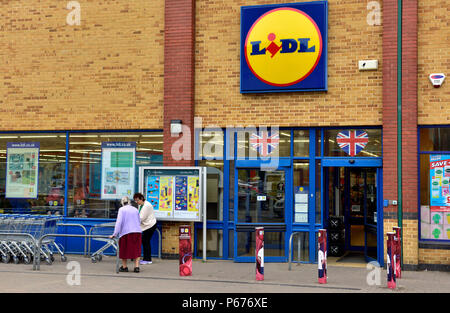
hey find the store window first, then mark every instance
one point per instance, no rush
(214, 243)
(214, 194)
(434, 163)
(301, 143)
(263, 143)
(105, 166)
(301, 191)
(32, 173)
(352, 143)
(211, 144)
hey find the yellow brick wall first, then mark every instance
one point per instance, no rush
(353, 97)
(106, 73)
(410, 234)
(434, 256)
(433, 55)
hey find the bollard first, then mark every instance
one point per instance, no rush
(397, 251)
(391, 260)
(322, 257)
(185, 251)
(259, 253)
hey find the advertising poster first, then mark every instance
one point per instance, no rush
(118, 169)
(165, 208)
(22, 169)
(440, 183)
(193, 194)
(174, 192)
(153, 191)
(185, 251)
(180, 193)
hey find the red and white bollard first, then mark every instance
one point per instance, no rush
(185, 252)
(398, 251)
(259, 253)
(322, 256)
(391, 261)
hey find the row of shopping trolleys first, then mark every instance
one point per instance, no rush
(20, 234)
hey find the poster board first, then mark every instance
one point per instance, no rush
(176, 193)
(301, 204)
(118, 170)
(439, 183)
(22, 170)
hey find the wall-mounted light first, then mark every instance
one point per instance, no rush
(175, 127)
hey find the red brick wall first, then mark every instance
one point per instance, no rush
(179, 75)
(409, 124)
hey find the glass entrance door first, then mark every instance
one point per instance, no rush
(355, 193)
(260, 200)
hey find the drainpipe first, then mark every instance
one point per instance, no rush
(399, 121)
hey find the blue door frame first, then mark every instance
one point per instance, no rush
(366, 163)
(286, 227)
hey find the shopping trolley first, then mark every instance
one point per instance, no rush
(105, 229)
(19, 234)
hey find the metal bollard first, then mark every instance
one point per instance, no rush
(322, 256)
(259, 253)
(391, 260)
(185, 251)
(398, 251)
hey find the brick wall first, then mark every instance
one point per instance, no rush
(353, 97)
(178, 99)
(106, 73)
(433, 57)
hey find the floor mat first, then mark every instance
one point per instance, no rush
(352, 257)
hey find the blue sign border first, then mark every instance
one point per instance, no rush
(317, 80)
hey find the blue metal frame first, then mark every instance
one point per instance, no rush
(419, 153)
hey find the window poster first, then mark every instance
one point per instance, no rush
(165, 197)
(301, 204)
(22, 169)
(118, 169)
(193, 194)
(180, 193)
(439, 183)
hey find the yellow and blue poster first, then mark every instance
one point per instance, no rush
(180, 193)
(153, 191)
(165, 197)
(439, 183)
(284, 47)
(193, 194)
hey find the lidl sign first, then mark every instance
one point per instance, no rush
(284, 47)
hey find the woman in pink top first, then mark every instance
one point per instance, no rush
(128, 229)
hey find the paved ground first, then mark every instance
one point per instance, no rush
(213, 276)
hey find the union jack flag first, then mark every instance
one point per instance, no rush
(352, 142)
(265, 143)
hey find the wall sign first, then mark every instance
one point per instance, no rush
(284, 47)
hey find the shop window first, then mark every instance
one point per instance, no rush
(435, 139)
(301, 191)
(32, 173)
(318, 192)
(214, 243)
(273, 243)
(211, 144)
(434, 164)
(214, 194)
(115, 168)
(370, 140)
(263, 143)
(301, 143)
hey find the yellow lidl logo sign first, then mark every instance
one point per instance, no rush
(282, 48)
